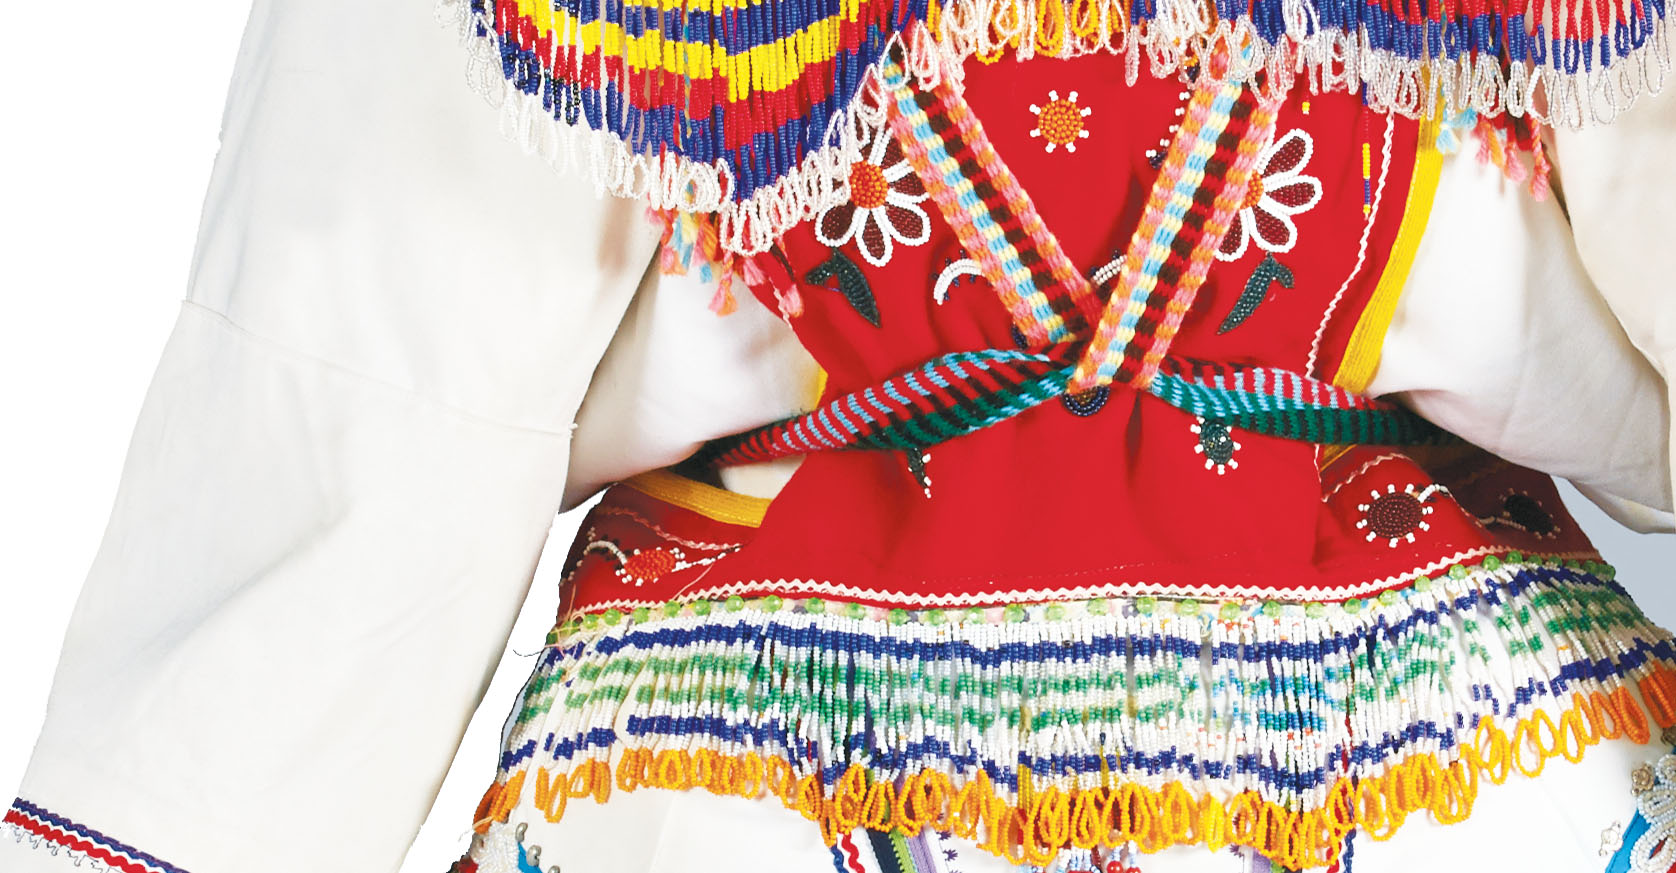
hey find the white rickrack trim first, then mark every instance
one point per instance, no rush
(71, 859)
(1048, 596)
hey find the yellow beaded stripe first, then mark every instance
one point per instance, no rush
(1361, 356)
(768, 67)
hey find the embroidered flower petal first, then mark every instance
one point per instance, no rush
(1273, 231)
(909, 184)
(895, 172)
(1289, 153)
(878, 151)
(873, 235)
(1235, 240)
(1301, 193)
(837, 225)
(907, 222)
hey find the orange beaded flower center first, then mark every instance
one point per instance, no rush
(1060, 122)
(868, 187)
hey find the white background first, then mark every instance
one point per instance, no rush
(111, 118)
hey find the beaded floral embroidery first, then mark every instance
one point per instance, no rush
(883, 208)
(1654, 849)
(1279, 190)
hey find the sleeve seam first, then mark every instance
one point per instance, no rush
(277, 348)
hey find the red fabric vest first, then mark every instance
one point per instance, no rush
(1121, 495)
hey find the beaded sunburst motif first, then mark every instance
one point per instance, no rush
(1397, 515)
(1060, 122)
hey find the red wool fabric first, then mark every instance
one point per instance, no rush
(1056, 505)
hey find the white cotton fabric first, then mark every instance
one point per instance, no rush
(361, 428)
(1502, 337)
(676, 375)
(346, 464)
(1620, 191)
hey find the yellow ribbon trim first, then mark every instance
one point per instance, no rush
(717, 504)
(1361, 356)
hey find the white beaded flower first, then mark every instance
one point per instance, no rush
(1279, 190)
(883, 208)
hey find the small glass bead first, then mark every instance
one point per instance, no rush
(612, 617)
(1230, 611)
(1516, 557)
(735, 603)
(1388, 596)
(641, 613)
(1098, 606)
(1014, 613)
(1188, 607)
(1459, 571)
(1424, 583)
(772, 603)
(1314, 610)
(702, 607)
(899, 616)
(1271, 608)
(936, 617)
(814, 606)
(672, 608)
(1055, 611)
(1491, 562)
(1146, 605)
(590, 622)
(1353, 605)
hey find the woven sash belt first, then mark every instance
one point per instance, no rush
(1075, 346)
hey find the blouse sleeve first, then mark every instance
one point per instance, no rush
(1504, 335)
(344, 470)
(1619, 184)
(676, 375)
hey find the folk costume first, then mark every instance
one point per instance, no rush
(1034, 498)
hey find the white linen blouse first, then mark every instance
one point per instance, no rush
(405, 344)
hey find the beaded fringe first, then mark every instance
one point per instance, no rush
(1484, 63)
(1044, 727)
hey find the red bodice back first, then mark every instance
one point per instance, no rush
(1114, 492)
